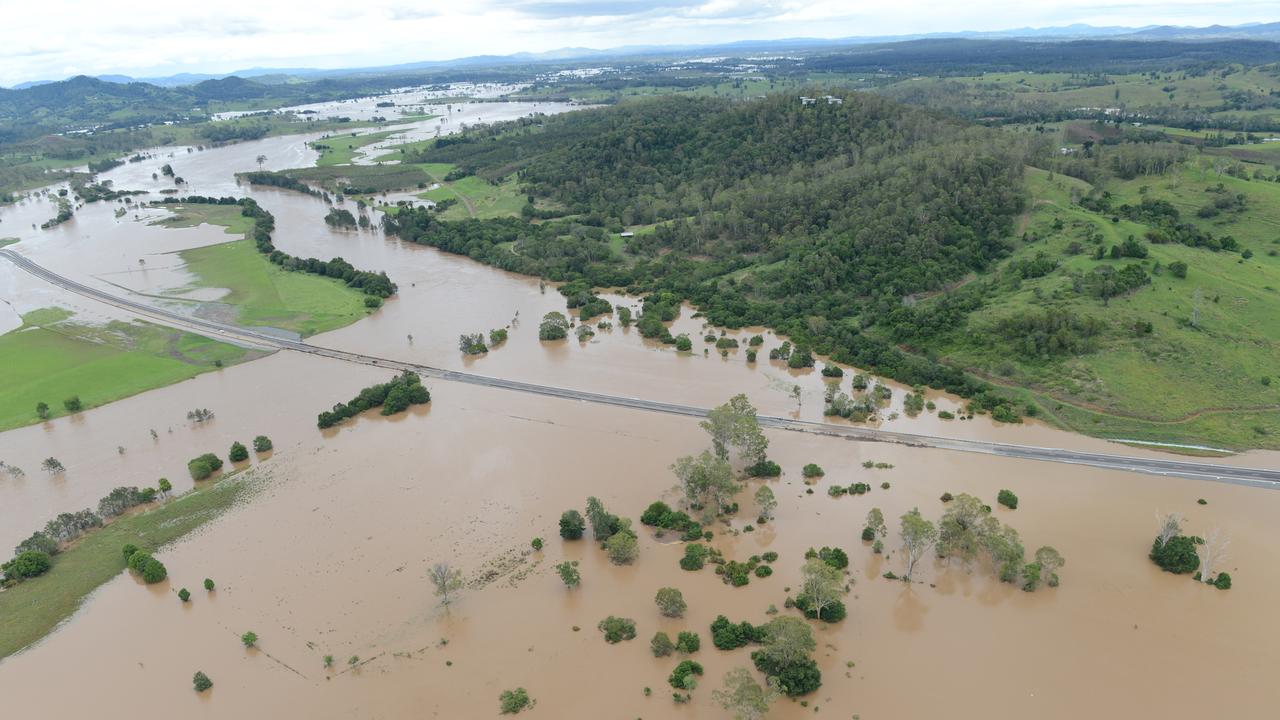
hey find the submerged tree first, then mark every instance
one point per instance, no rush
(446, 580)
(744, 697)
(918, 535)
(1213, 548)
(766, 502)
(52, 466)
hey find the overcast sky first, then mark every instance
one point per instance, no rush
(53, 39)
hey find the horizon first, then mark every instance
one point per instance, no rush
(175, 41)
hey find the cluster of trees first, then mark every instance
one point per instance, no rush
(141, 562)
(612, 532)
(784, 656)
(814, 220)
(340, 218)
(371, 283)
(1177, 553)
(202, 467)
(968, 531)
(472, 344)
(393, 396)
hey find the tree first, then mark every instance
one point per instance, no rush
(706, 481)
(262, 444)
(511, 702)
(42, 410)
(960, 530)
(29, 564)
(744, 697)
(1177, 556)
(1007, 499)
(52, 466)
(571, 525)
(622, 548)
(918, 535)
(201, 681)
(73, 404)
(735, 424)
(1213, 548)
(670, 602)
(555, 326)
(1005, 547)
(688, 642)
(165, 486)
(822, 585)
(661, 645)
(1050, 562)
(787, 640)
(208, 585)
(249, 639)
(184, 595)
(875, 523)
(446, 581)
(684, 677)
(603, 524)
(472, 344)
(812, 470)
(154, 571)
(569, 574)
(1170, 527)
(238, 453)
(766, 502)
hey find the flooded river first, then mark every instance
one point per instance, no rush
(331, 555)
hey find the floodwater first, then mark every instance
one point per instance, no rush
(331, 556)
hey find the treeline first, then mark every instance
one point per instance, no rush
(280, 180)
(371, 283)
(815, 220)
(393, 397)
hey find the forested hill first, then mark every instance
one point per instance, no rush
(813, 218)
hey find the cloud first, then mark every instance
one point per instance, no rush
(143, 38)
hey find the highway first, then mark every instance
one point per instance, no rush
(1196, 470)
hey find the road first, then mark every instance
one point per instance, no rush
(1196, 470)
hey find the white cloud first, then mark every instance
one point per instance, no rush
(54, 38)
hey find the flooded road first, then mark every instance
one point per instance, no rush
(331, 555)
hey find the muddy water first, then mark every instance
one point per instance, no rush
(330, 559)
(335, 549)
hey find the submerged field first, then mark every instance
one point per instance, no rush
(52, 358)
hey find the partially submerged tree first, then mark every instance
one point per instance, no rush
(744, 697)
(706, 482)
(52, 466)
(670, 602)
(766, 502)
(446, 580)
(960, 529)
(735, 424)
(918, 535)
(603, 524)
(822, 585)
(569, 574)
(1213, 550)
(1170, 527)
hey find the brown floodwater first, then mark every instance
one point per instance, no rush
(331, 556)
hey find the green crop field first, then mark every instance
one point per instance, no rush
(35, 607)
(342, 149)
(50, 359)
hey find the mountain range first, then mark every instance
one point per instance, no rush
(1251, 31)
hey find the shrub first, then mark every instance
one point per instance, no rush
(572, 525)
(654, 513)
(201, 681)
(204, 466)
(670, 602)
(763, 571)
(1007, 499)
(128, 550)
(184, 595)
(730, 636)
(946, 415)
(154, 571)
(1178, 555)
(794, 679)
(262, 443)
(569, 574)
(683, 343)
(837, 490)
(829, 370)
(251, 638)
(859, 488)
(689, 642)
(769, 556)
(138, 560)
(208, 584)
(764, 468)
(372, 302)
(1223, 581)
(29, 564)
(661, 645)
(536, 544)
(513, 701)
(683, 677)
(884, 486)
(946, 497)
(812, 470)
(617, 629)
(835, 557)
(832, 613)
(868, 535)
(735, 573)
(695, 556)
(239, 453)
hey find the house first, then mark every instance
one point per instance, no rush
(807, 100)
(626, 234)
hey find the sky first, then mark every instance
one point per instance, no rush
(54, 39)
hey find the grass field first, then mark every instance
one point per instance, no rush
(50, 359)
(1199, 384)
(266, 295)
(342, 149)
(263, 294)
(34, 608)
(478, 198)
